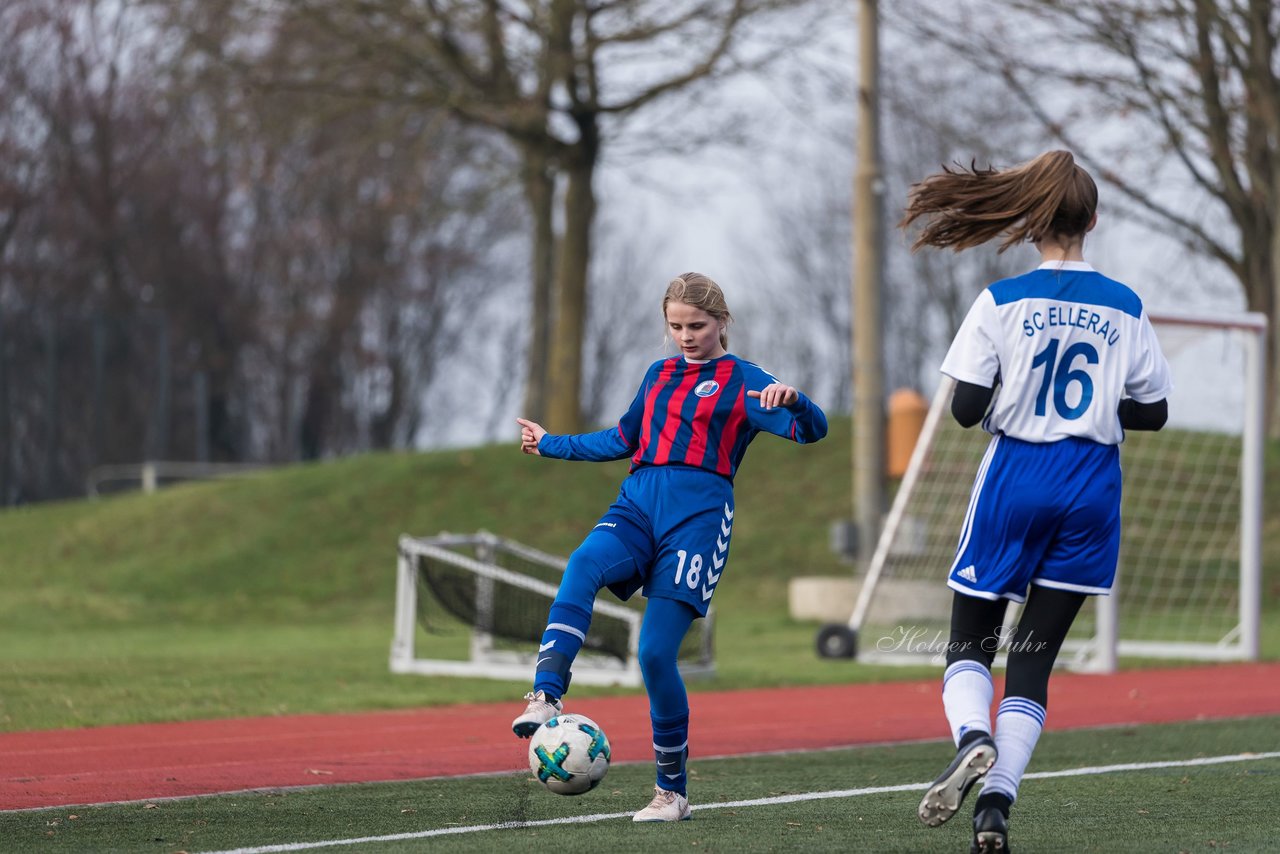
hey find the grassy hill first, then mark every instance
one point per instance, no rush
(273, 593)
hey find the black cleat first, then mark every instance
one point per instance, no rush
(990, 833)
(948, 791)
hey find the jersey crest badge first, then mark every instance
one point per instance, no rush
(707, 388)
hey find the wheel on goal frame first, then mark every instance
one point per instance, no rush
(837, 640)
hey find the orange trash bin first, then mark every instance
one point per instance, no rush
(907, 411)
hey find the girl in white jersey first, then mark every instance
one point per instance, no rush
(1056, 363)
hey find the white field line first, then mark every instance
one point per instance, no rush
(754, 802)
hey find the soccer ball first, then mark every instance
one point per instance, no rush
(569, 754)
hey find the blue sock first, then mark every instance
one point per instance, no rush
(671, 752)
(601, 559)
(567, 626)
(666, 621)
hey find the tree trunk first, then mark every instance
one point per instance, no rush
(1260, 275)
(564, 410)
(539, 191)
(1271, 290)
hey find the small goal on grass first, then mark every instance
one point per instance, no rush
(1189, 578)
(478, 603)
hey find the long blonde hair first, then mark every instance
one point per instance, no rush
(965, 207)
(702, 292)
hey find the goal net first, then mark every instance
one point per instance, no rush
(479, 602)
(1189, 578)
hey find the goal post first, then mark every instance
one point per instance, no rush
(477, 603)
(1189, 580)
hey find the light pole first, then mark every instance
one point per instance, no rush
(867, 346)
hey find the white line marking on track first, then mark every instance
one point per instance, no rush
(754, 802)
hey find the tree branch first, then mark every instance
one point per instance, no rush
(704, 69)
(1190, 226)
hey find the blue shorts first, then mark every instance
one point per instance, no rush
(1046, 514)
(676, 522)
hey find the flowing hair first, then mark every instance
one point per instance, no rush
(966, 207)
(702, 292)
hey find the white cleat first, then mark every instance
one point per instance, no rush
(665, 806)
(538, 712)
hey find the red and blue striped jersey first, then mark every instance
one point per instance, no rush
(693, 414)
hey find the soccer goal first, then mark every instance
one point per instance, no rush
(1189, 578)
(479, 602)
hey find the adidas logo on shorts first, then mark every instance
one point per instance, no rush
(969, 574)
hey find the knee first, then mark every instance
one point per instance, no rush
(974, 629)
(652, 660)
(598, 560)
(656, 659)
(969, 652)
(583, 562)
(970, 648)
(583, 575)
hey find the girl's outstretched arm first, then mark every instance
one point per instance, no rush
(601, 446)
(786, 412)
(531, 434)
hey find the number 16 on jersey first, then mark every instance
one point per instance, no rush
(1061, 375)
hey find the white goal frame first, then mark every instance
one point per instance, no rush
(1102, 652)
(487, 661)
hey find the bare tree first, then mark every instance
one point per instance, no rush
(1174, 104)
(555, 78)
(808, 259)
(83, 129)
(624, 331)
(925, 295)
(287, 273)
(370, 230)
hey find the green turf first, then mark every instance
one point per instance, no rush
(1208, 808)
(273, 593)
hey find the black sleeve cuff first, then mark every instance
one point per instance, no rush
(969, 403)
(1143, 416)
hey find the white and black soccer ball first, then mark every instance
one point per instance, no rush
(569, 754)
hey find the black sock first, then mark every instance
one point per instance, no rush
(996, 800)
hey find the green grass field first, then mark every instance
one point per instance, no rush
(811, 804)
(273, 593)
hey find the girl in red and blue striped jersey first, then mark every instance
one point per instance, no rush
(667, 534)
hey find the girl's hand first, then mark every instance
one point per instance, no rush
(775, 394)
(530, 435)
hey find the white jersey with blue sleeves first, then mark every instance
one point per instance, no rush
(1065, 344)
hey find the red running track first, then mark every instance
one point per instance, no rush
(145, 761)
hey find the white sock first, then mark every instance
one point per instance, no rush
(1018, 725)
(966, 697)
